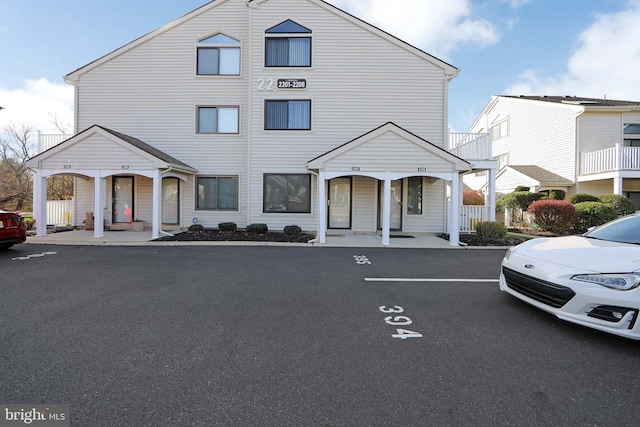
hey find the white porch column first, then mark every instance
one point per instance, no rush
(454, 229)
(617, 185)
(156, 202)
(492, 194)
(40, 203)
(322, 208)
(98, 212)
(386, 209)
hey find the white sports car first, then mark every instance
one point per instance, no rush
(592, 279)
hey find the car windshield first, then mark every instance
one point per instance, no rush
(623, 230)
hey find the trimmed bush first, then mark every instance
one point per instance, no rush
(472, 197)
(196, 227)
(292, 230)
(491, 230)
(520, 188)
(581, 197)
(518, 200)
(30, 223)
(593, 214)
(557, 194)
(229, 227)
(623, 205)
(257, 228)
(556, 216)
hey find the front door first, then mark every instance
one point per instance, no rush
(170, 200)
(340, 203)
(396, 204)
(122, 208)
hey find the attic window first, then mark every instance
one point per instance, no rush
(219, 55)
(290, 48)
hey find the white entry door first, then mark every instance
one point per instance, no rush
(340, 203)
(396, 204)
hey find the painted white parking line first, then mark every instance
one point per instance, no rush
(397, 279)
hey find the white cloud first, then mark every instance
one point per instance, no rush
(605, 63)
(438, 27)
(516, 3)
(38, 103)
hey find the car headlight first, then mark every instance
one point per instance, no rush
(509, 252)
(621, 282)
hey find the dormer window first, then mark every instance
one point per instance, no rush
(288, 44)
(219, 55)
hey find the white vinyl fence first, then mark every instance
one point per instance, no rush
(471, 215)
(59, 212)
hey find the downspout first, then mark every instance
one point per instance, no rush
(249, 112)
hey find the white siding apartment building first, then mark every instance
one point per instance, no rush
(284, 112)
(580, 145)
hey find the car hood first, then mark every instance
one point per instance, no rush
(583, 253)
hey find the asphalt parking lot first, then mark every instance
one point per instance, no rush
(207, 336)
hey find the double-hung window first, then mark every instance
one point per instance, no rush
(288, 45)
(215, 119)
(217, 193)
(291, 115)
(219, 55)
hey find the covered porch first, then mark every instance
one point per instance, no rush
(95, 155)
(388, 157)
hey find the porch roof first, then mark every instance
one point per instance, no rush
(389, 148)
(98, 147)
(535, 173)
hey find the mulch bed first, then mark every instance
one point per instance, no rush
(214, 235)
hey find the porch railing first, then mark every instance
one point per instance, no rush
(59, 212)
(471, 215)
(48, 140)
(471, 146)
(610, 159)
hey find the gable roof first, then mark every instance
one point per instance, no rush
(536, 173)
(423, 144)
(449, 69)
(163, 157)
(577, 100)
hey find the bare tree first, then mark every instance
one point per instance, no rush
(16, 146)
(59, 187)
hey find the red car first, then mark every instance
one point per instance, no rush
(12, 229)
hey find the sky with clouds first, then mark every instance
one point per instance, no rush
(518, 47)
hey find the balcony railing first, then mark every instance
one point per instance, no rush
(471, 215)
(610, 159)
(470, 146)
(48, 140)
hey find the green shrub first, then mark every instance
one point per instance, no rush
(30, 223)
(557, 194)
(581, 197)
(292, 230)
(593, 214)
(227, 227)
(556, 216)
(518, 200)
(623, 205)
(520, 188)
(472, 197)
(196, 227)
(491, 230)
(257, 228)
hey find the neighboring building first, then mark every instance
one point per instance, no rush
(580, 145)
(266, 111)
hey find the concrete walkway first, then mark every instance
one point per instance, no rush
(143, 238)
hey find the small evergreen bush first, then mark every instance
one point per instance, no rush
(229, 227)
(491, 230)
(292, 230)
(520, 188)
(557, 194)
(556, 216)
(623, 205)
(593, 214)
(30, 223)
(582, 197)
(196, 227)
(257, 228)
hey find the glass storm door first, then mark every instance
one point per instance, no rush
(396, 204)
(170, 200)
(122, 199)
(340, 203)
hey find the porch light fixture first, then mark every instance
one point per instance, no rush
(355, 168)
